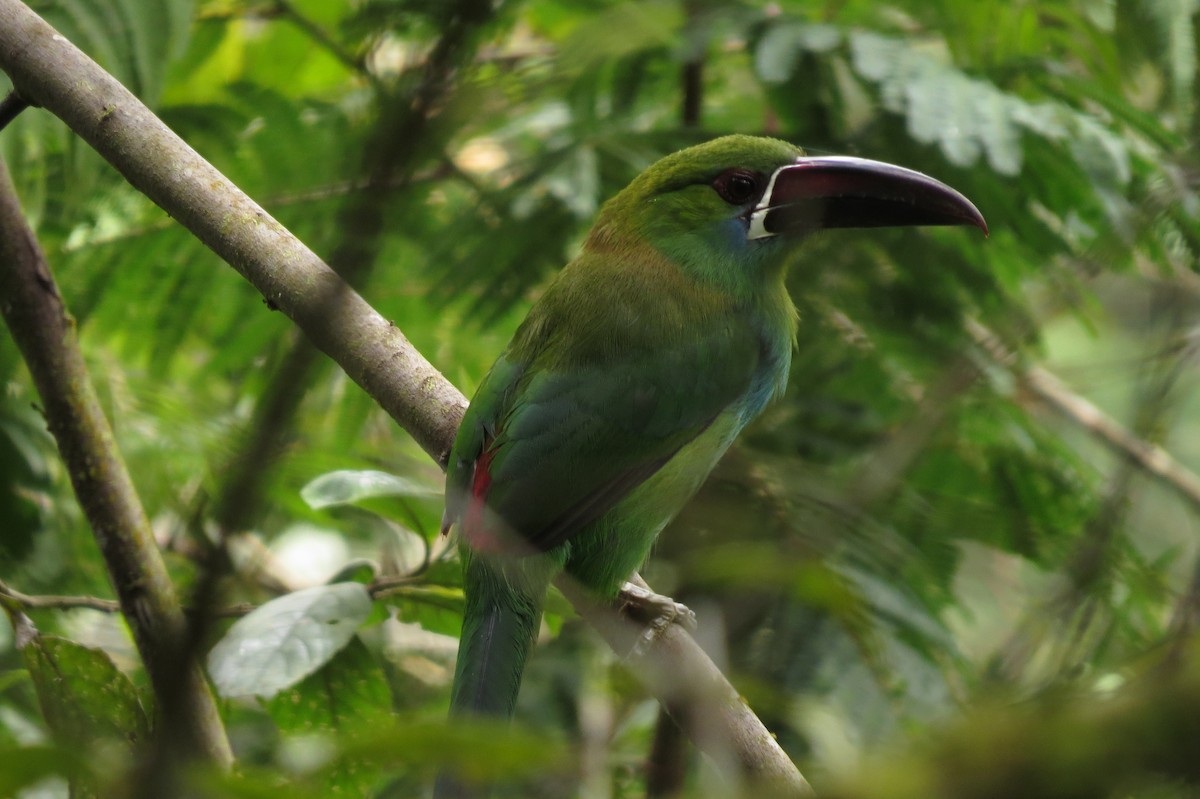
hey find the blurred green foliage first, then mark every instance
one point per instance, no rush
(910, 531)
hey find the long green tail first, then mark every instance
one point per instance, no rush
(500, 624)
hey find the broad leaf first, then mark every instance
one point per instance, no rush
(287, 639)
(85, 700)
(84, 697)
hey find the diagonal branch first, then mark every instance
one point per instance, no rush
(373, 352)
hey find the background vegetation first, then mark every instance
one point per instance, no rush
(963, 502)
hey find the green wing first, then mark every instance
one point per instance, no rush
(544, 451)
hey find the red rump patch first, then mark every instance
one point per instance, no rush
(482, 479)
(476, 528)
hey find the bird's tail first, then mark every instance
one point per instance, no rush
(500, 623)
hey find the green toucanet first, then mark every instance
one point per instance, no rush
(632, 374)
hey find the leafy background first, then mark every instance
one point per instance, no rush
(912, 531)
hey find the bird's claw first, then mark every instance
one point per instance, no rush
(658, 611)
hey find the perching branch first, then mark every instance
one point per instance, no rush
(696, 694)
(374, 353)
(45, 333)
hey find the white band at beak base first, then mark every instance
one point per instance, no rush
(758, 229)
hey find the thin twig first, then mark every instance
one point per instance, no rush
(380, 588)
(50, 602)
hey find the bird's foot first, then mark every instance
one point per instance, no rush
(659, 612)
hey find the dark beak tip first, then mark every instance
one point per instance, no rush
(971, 215)
(981, 223)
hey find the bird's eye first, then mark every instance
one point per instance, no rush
(737, 186)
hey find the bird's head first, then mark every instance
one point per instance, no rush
(745, 199)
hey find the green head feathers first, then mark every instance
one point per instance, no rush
(692, 205)
(735, 202)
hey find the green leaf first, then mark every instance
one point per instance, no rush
(84, 697)
(285, 640)
(348, 695)
(348, 691)
(85, 700)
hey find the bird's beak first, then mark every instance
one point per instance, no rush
(839, 191)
